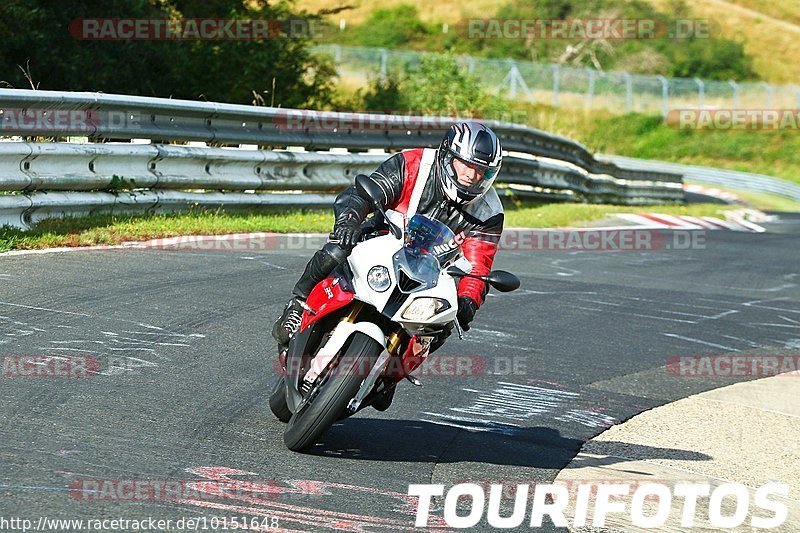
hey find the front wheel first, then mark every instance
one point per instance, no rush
(277, 401)
(314, 418)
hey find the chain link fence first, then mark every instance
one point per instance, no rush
(577, 87)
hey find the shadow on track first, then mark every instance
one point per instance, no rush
(417, 441)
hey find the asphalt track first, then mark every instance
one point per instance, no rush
(185, 366)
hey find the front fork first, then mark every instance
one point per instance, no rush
(400, 357)
(415, 353)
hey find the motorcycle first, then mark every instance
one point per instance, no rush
(371, 323)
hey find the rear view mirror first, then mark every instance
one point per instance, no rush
(503, 281)
(372, 192)
(455, 272)
(499, 279)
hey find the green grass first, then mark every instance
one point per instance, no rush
(110, 229)
(115, 229)
(774, 153)
(564, 215)
(770, 43)
(763, 201)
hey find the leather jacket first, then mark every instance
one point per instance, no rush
(477, 224)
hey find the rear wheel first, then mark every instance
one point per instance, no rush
(277, 401)
(329, 402)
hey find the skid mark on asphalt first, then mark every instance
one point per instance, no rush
(43, 309)
(492, 333)
(750, 343)
(266, 263)
(60, 340)
(692, 313)
(562, 270)
(473, 424)
(514, 403)
(757, 303)
(773, 325)
(588, 418)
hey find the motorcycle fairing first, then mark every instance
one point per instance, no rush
(325, 298)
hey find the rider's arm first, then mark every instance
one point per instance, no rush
(390, 175)
(479, 248)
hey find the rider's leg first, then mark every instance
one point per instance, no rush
(321, 265)
(319, 268)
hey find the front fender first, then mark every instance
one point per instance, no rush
(343, 331)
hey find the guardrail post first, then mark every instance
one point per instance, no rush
(470, 64)
(337, 53)
(514, 79)
(590, 95)
(735, 87)
(628, 91)
(701, 91)
(556, 80)
(664, 95)
(768, 88)
(511, 80)
(384, 61)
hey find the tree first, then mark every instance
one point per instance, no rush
(225, 70)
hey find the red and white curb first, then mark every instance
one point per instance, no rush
(735, 220)
(726, 196)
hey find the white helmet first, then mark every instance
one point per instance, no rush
(478, 147)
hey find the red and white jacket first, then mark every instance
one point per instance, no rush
(409, 186)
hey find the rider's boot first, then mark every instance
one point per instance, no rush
(384, 400)
(288, 323)
(318, 268)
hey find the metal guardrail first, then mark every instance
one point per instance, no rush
(715, 176)
(539, 164)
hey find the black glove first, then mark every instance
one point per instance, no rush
(466, 311)
(347, 230)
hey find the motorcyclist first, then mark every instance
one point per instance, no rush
(452, 184)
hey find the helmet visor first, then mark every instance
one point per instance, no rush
(470, 176)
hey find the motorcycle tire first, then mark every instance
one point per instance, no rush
(313, 419)
(277, 401)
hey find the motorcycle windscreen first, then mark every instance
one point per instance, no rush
(428, 245)
(425, 235)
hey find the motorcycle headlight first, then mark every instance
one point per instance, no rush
(378, 278)
(422, 309)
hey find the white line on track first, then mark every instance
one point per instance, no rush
(44, 309)
(700, 341)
